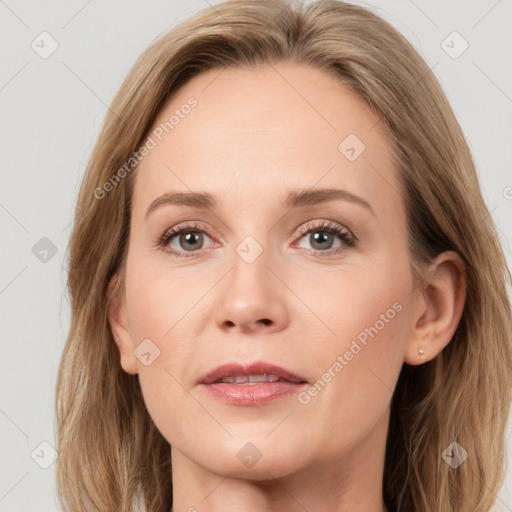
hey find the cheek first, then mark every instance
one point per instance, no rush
(162, 309)
(362, 304)
(365, 322)
(160, 298)
(358, 366)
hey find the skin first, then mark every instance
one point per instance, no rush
(255, 135)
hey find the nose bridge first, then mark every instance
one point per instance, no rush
(250, 267)
(251, 297)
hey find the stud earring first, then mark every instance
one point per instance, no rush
(421, 352)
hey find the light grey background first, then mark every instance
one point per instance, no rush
(51, 111)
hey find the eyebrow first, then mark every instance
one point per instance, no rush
(295, 199)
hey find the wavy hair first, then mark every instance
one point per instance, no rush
(111, 455)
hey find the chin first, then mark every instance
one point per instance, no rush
(253, 458)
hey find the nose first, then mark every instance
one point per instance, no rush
(252, 299)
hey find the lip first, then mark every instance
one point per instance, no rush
(251, 394)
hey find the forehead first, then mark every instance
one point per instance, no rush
(265, 129)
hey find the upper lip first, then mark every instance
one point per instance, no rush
(256, 368)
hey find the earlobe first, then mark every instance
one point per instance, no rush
(438, 308)
(119, 325)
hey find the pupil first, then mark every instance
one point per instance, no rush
(191, 238)
(320, 237)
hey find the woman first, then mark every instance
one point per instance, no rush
(280, 297)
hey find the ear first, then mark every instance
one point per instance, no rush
(438, 307)
(120, 327)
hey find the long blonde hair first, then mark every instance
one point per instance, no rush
(110, 453)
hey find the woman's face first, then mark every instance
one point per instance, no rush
(298, 258)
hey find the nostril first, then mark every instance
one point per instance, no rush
(266, 321)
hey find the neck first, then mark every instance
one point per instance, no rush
(351, 482)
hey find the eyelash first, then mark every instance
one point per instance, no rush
(324, 226)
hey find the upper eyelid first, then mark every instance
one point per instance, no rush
(322, 224)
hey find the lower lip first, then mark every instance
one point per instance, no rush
(252, 394)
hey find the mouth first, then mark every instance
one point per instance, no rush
(251, 384)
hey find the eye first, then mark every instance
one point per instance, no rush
(182, 239)
(326, 237)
